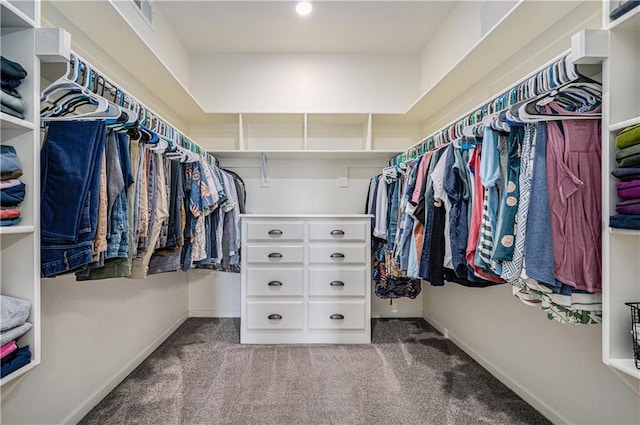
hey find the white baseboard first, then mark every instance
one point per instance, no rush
(93, 400)
(406, 314)
(514, 386)
(214, 313)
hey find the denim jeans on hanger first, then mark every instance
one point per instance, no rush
(70, 172)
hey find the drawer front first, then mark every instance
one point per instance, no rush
(277, 315)
(337, 282)
(274, 282)
(275, 231)
(338, 231)
(275, 254)
(338, 254)
(336, 315)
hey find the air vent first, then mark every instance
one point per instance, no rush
(146, 9)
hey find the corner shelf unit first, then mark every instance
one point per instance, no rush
(621, 247)
(20, 244)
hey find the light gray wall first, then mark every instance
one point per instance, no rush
(93, 335)
(556, 368)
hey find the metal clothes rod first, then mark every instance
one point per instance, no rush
(104, 86)
(554, 73)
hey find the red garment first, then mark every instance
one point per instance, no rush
(573, 179)
(6, 214)
(476, 217)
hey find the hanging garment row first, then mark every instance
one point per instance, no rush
(122, 200)
(516, 199)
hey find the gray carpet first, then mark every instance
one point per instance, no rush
(410, 374)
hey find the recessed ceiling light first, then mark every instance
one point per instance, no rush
(303, 8)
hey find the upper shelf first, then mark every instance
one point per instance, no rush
(630, 21)
(306, 154)
(12, 17)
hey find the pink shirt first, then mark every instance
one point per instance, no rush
(7, 349)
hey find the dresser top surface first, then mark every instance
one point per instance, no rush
(306, 215)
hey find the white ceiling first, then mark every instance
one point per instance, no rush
(364, 27)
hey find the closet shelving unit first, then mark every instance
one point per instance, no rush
(20, 245)
(302, 135)
(621, 247)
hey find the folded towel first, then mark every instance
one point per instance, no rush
(14, 102)
(7, 110)
(628, 137)
(12, 196)
(628, 157)
(13, 312)
(8, 159)
(630, 206)
(12, 70)
(627, 173)
(623, 8)
(628, 190)
(10, 221)
(19, 359)
(14, 333)
(9, 83)
(7, 349)
(9, 213)
(5, 184)
(625, 221)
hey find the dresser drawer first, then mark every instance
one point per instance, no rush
(338, 254)
(276, 315)
(338, 282)
(336, 315)
(275, 231)
(338, 230)
(274, 282)
(275, 254)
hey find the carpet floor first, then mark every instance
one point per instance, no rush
(410, 374)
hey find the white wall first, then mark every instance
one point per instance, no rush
(556, 368)
(93, 335)
(305, 82)
(297, 186)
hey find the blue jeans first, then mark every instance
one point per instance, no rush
(70, 172)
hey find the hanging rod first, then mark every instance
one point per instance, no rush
(558, 71)
(125, 99)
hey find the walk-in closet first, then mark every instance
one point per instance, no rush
(320, 212)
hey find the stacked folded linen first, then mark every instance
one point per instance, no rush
(12, 190)
(628, 172)
(10, 100)
(14, 313)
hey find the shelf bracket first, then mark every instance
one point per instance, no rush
(589, 47)
(53, 44)
(265, 181)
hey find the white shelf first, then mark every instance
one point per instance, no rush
(24, 369)
(627, 366)
(16, 230)
(306, 154)
(624, 124)
(9, 122)
(630, 21)
(12, 17)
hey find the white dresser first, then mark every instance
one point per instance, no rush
(306, 279)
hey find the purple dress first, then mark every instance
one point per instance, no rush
(573, 172)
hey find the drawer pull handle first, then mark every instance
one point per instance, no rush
(337, 283)
(337, 233)
(275, 283)
(275, 232)
(336, 317)
(337, 255)
(274, 317)
(275, 255)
